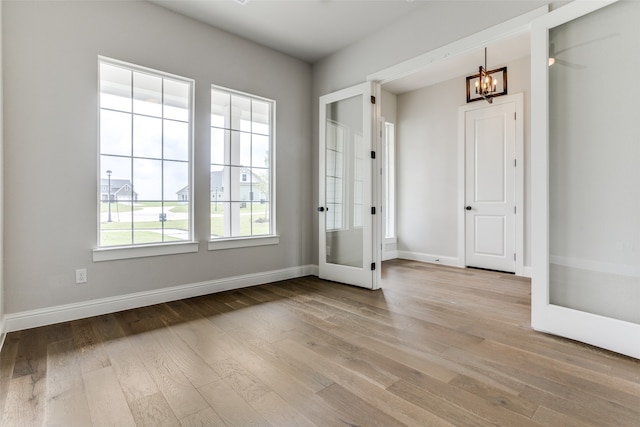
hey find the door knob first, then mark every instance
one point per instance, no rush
(468, 208)
(321, 209)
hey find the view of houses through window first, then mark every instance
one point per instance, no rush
(145, 155)
(241, 147)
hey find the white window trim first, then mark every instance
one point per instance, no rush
(243, 242)
(107, 253)
(142, 251)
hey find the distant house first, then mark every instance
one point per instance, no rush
(121, 190)
(248, 190)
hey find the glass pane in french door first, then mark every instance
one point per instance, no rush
(343, 180)
(594, 163)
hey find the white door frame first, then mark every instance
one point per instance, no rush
(518, 99)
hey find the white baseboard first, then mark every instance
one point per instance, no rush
(433, 259)
(387, 255)
(3, 334)
(527, 271)
(81, 310)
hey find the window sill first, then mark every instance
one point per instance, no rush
(390, 240)
(243, 242)
(127, 252)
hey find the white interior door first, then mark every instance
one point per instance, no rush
(585, 156)
(348, 227)
(490, 198)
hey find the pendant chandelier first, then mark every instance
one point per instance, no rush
(485, 85)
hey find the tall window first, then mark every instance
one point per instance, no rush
(389, 181)
(145, 155)
(241, 182)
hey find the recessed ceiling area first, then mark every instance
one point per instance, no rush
(313, 29)
(305, 29)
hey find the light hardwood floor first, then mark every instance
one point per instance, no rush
(436, 346)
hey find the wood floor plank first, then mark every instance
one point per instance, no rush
(153, 411)
(205, 418)
(66, 399)
(25, 402)
(378, 397)
(355, 411)
(231, 407)
(435, 346)
(179, 392)
(278, 412)
(243, 382)
(129, 368)
(7, 363)
(92, 353)
(107, 404)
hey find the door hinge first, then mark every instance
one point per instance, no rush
(514, 116)
(515, 163)
(373, 210)
(514, 209)
(373, 99)
(514, 256)
(373, 266)
(373, 154)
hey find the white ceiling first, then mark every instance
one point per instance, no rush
(305, 29)
(312, 29)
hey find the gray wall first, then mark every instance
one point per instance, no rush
(50, 77)
(419, 33)
(1, 184)
(427, 156)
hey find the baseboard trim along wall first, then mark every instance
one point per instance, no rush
(3, 334)
(64, 313)
(433, 259)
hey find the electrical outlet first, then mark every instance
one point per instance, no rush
(81, 275)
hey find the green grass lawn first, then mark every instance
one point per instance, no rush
(120, 238)
(247, 228)
(119, 233)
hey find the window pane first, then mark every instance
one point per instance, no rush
(220, 151)
(260, 115)
(260, 151)
(147, 227)
(147, 137)
(240, 113)
(176, 140)
(260, 185)
(220, 225)
(115, 133)
(115, 87)
(240, 184)
(147, 94)
(241, 219)
(147, 179)
(220, 109)
(260, 218)
(219, 183)
(176, 222)
(240, 148)
(176, 100)
(176, 178)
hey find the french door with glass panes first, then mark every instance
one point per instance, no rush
(585, 174)
(348, 217)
